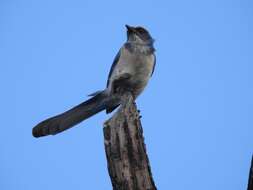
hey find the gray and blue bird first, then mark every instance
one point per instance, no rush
(131, 70)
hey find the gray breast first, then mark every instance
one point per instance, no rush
(138, 65)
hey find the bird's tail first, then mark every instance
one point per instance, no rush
(73, 116)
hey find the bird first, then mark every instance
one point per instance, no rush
(131, 70)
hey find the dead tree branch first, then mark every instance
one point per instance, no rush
(250, 182)
(127, 160)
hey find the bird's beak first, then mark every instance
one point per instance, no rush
(130, 28)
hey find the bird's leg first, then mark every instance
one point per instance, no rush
(127, 99)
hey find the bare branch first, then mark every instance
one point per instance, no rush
(250, 182)
(128, 163)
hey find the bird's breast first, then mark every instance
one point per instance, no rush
(138, 65)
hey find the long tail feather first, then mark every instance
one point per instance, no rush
(73, 116)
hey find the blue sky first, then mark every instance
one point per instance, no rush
(197, 110)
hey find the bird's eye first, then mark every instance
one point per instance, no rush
(143, 33)
(141, 30)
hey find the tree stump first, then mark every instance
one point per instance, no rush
(127, 160)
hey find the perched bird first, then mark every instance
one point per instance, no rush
(131, 70)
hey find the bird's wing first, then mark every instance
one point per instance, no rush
(154, 65)
(115, 61)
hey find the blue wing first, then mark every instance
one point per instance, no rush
(115, 61)
(154, 65)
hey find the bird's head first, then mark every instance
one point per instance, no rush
(138, 35)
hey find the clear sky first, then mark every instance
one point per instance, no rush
(197, 110)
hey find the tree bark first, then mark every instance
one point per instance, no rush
(250, 182)
(127, 160)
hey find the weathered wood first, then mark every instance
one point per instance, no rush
(127, 160)
(250, 182)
